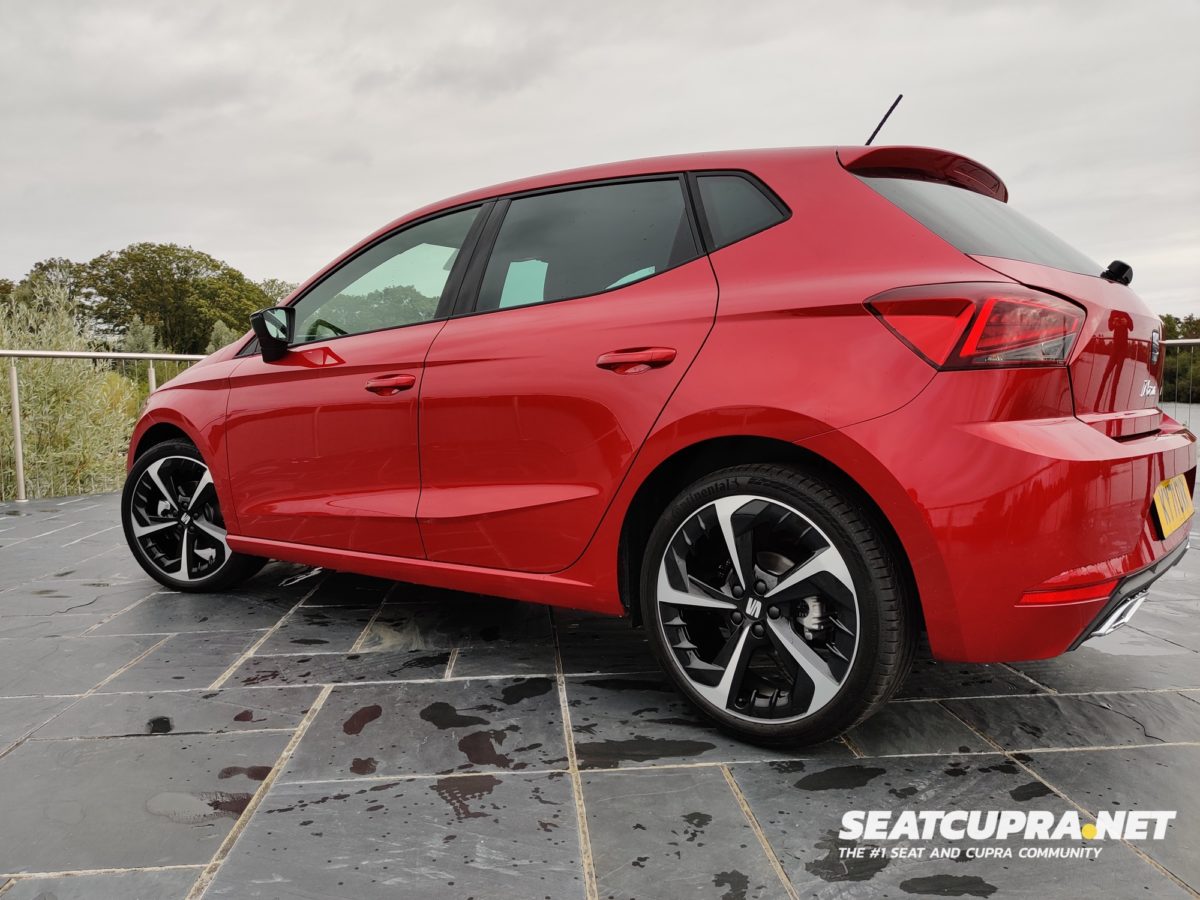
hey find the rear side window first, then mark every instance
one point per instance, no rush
(980, 225)
(587, 240)
(735, 207)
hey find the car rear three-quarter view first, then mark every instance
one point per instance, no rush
(788, 410)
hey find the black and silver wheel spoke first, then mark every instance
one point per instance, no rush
(176, 520)
(759, 609)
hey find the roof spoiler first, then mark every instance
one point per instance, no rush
(926, 164)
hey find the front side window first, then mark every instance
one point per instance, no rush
(399, 281)
(735, 207)
(587, 240)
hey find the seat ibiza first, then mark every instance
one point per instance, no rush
(788, 410)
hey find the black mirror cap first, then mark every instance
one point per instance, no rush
(274, 327)
(1120, 272)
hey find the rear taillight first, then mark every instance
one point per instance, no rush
(977, 325)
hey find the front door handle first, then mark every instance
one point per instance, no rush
(387, 385)
(631, 362)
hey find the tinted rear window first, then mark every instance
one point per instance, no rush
(735, 208)
(980, 225)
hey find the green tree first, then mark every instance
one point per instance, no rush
(178, 291)
(276, 289)
(222, 335)
(140, 338)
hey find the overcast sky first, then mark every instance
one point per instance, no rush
(274, 135)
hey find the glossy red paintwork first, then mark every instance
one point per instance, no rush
(511, 463)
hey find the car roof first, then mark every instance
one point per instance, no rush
(718, 159)
(762, 162)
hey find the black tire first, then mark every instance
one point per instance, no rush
(780, 523)
(173, 525)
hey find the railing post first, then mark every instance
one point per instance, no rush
(151, 378)
(18, 448)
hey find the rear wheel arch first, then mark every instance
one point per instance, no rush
(689, 464)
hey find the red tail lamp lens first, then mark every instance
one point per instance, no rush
(968, 326)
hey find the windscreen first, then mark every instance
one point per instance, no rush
(980, 225)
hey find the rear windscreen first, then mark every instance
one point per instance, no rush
(980, 225)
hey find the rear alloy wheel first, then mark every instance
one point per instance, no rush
(173, 523)
(775, 606)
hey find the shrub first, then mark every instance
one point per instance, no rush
(76, 415)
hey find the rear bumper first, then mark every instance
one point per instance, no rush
(995, 493)
(1128, 597)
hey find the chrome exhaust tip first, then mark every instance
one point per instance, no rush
(1122, 614)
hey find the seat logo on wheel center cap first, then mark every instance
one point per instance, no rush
(754, 607)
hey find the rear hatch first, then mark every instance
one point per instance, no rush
(1116, 364)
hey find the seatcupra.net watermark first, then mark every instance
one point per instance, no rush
(953, 829)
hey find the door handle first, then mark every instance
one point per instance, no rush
(387, 385)
(631, 362)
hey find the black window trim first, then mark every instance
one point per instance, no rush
(450, 290)
(461, 293)
(466, 304)
(693, 178)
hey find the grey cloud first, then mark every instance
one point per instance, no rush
(273, 135)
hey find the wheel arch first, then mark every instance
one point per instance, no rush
(688, 464)
(158, 433)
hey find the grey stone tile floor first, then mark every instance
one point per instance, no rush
(323, 735)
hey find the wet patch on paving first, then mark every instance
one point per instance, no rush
(321, 735)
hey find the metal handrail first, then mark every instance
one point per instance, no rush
(1182, 342)
(15, 391)
(88, 354)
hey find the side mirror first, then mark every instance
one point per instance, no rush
(274, 327)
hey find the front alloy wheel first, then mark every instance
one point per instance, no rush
(774, 605)
(173, 523)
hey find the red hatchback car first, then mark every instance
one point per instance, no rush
(786, 409)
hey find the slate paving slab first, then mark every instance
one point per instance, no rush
(21, 716)
(324, 628)
(172, 884)
(186, 712)
(64, 665)
(57, 596)
(1137, 778)
(505, 659)
(630, 720)
(915, 727)
(433, 728)
(439, 755)
(800, 807)
(603, 644)
(1176, 621)
(127, 803)
(678, 833)
(174, 613)
(341, 668)
(184, 661)
(463, 620)
(1127, 659)
(501, 836)
(63, 625)
(345, 589)
(1047, 721)
(930, 679)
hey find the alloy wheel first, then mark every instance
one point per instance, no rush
(758, 608)
(176, 519)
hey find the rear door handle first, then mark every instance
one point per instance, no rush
(631, 362)
(387, 385)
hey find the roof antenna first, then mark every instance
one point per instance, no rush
(895, 103)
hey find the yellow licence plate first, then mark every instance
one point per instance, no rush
(1173, 502)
